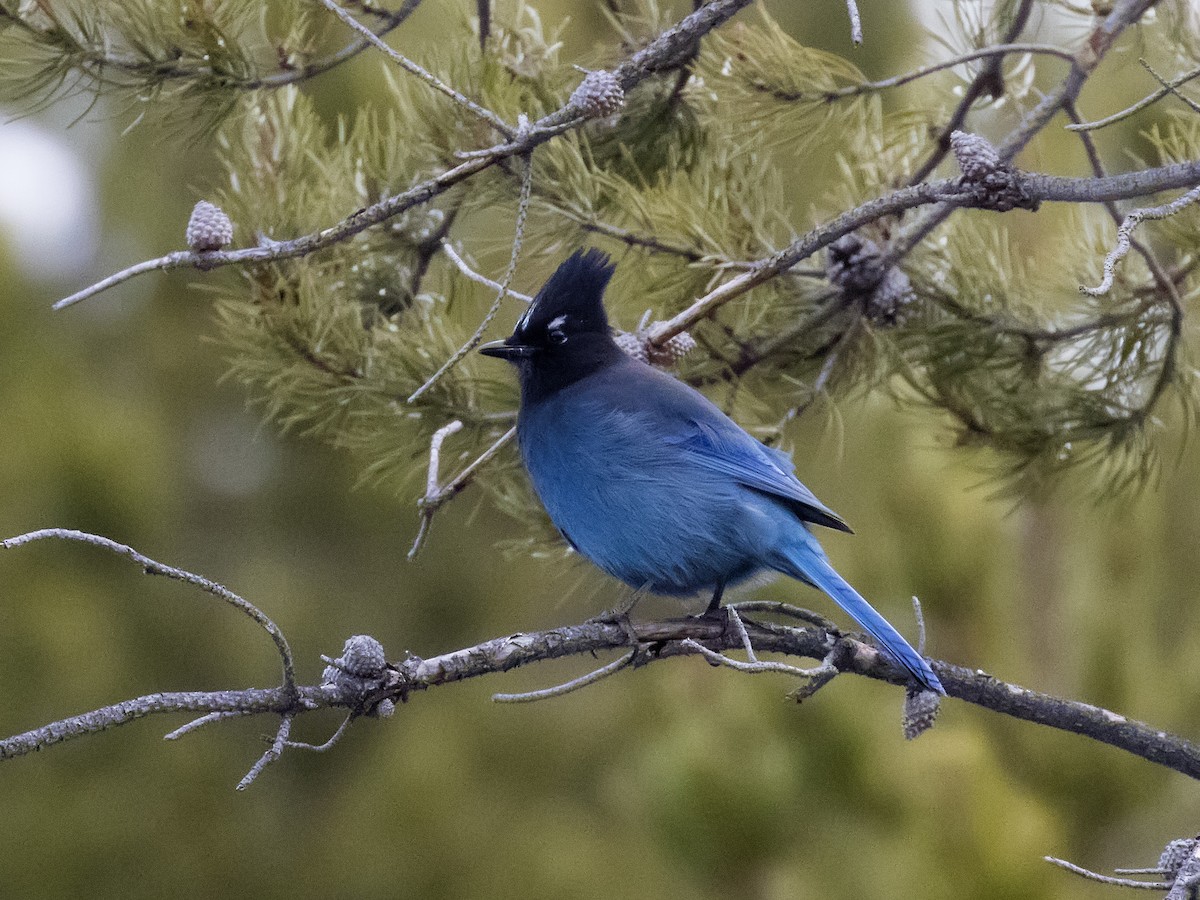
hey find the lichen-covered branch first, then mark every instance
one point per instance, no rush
(660, 641)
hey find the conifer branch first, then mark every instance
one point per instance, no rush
(945, 196)
(1097, 44)
(988, 81)
(656, 55)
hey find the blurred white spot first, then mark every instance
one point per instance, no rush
(47, 202)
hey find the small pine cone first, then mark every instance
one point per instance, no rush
(1175, 854)
(976, 157)
(208, 228)
(672, 351)
(889, 301)
(920, 712)
(854, 267)
(598, 95)
(330, 676)
(384, 709)
(850, 263)
(663, 356)
(632, 344)
(363, 656)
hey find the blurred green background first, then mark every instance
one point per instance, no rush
(673, 781)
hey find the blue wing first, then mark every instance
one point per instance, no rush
(686, 418)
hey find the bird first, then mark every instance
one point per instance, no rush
(648, 479)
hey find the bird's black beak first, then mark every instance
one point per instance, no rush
(505, 350)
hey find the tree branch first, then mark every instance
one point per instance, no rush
(362, 682)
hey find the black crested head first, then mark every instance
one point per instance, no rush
(570, 302)
(564, 335)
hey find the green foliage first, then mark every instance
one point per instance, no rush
(687, 178)
(179, 62)
(760, 81)
(692, 178)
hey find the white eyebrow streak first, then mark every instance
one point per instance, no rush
(557, 322)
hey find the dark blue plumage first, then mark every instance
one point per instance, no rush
(647, 478)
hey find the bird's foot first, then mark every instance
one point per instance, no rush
(621, 620)
(712, 614)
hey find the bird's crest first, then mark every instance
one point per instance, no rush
(574, 294)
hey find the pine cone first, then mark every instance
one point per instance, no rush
(632, 344)
(976, 156)
(666, 356)
(1175, 854)
(920, 712)
(363, 656)
(208, 228)
(598, 95)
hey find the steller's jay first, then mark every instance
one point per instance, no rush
(647, 478)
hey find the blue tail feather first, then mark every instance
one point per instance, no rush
(808, 563)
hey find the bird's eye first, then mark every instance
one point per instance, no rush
(556, 336)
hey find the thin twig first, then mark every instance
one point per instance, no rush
(870, 87)
(518, 240)
(1170, 88)
(856, 32)
(739, 628)
(1108, 879)
(207, 719)
(329, 744)
(390, 21)
(151, 567)
(920, 616)
(573, 685)
(431, 483)
(435, 450)
(757, 666)
(1125, 232)
(477, 277)
(430, 503)
(273, 753)
(171, 261)
(428, 77)
(785, 609)
(1167, 88)
(821, 380)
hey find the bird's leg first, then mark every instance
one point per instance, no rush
(714, 605)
